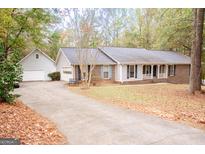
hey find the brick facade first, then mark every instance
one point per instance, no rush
(181, 76)
(96, 74)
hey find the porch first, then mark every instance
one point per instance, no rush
(155, 72)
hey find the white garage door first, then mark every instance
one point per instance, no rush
(66, 73)
(33, 75)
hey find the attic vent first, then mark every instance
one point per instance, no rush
(37, 56)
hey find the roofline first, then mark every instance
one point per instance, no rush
(118, 62)
(179, 53)
(120, 47)
(61, 51)
(33, 52)
(98, 64)
(108, 55)
(151, 63)
(57, 57)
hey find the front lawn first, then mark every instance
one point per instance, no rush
(19, 121)
(170, 101)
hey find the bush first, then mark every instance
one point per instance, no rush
(10, 73)
(55, 76)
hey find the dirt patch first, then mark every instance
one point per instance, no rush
(19, 121)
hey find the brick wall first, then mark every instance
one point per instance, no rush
(181, 76)
(97, 73)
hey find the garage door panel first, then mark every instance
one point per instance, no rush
(33, 75)
(66, 73)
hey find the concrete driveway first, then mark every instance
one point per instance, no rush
(86, 121)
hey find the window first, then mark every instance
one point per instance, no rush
(135, 71)
(172, 69)
(162, 69)
(131, 71)
(147, 69)
(67, 72)
(37, 56)
(105, 72)
(128, 71)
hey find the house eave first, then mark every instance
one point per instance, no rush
(153, 63)
(33, 52)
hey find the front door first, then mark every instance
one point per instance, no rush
(155, 71)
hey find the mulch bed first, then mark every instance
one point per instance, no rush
(19, 121)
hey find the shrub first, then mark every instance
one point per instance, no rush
(10, 73)
(55, 76)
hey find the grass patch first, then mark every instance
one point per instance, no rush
(170, 101)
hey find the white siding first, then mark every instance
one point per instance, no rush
(43, 63)
(62, 65)
(118, 72)
(110, 72)
(124, 73)
(139, 72)
(62, 62)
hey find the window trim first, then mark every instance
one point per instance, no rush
(37, 56)
(172, 70)
(130, 71)
(104, 66)
(162, 69)
(147, 68)
(135, 72)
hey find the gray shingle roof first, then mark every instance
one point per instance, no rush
(93, 56)
(143, 56)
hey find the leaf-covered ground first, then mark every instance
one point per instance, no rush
(170, 101)
(19, 121)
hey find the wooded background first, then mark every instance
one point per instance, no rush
(49, 29)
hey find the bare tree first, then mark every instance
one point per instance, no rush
(85, 42)
(195, 76)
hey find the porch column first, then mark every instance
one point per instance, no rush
(74, 75)
(142, 72)
(121, 77)
(158, 66)
(151, 71)
(166, 71)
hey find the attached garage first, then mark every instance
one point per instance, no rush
(64, 67)
(66, 73)
(36, 66)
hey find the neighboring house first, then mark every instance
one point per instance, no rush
(126, 65)
(36, 66)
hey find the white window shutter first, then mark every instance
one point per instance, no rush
(101, 72)
(110, 72)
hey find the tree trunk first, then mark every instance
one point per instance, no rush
(90, 75)
(195, 74)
